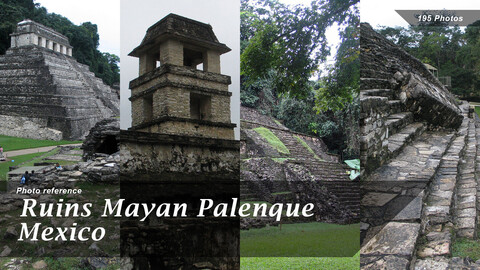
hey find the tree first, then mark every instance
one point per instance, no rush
(290, 41)
(84, 38)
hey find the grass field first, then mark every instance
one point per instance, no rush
(306, 240)
(477, 110)
(14, 143)
(17, 161)
(300, 263)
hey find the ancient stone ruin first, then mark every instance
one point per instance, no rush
(275, 175)
(419, 164)
(180, 148)
(44, 92)
(103, 139)
(175, 100)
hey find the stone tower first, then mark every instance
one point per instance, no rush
(180, 149)
(172, 95)
(44, 92)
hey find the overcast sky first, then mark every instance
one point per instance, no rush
(381, 12)
(104, 13)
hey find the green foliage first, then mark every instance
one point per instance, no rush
(453, 52)
(281, 50)
(14, 143)
(338, 129)
(305, 239)
(289, 41)
(84, 38)
(341, 85)
(273, 140)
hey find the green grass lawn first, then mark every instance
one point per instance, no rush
(17, 161)
(477, 110)
(280, 263)
(301, 240)
(14, 143)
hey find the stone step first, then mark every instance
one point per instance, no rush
(396, 106)
(23, 72)
(397, 141)
(402, 178)
(48, 99)
(392, 245)
(440, 263)
(374, 83)
(465, 218)
(396, 122)
(369, 73)
(439, 202)
(388, 93)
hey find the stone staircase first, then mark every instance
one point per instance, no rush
(305, 152)
(55, 89)
(419, 184)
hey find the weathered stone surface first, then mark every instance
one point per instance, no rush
(395, 238)
(383, 263)
(60, 97)
(6, 251)
(40, 265)
(377, 199)
(10, 233)
(424, 94)
(435, 248)
(103, 138)
(432, 264)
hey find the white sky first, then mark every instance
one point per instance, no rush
(104, 13)
(382, 13)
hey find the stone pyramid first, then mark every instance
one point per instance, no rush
(44, 92)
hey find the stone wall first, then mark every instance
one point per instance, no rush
(374, 132)
(161, 168)
(420, 91)
(32, 128)
(180, 154)
(166, 92)
(399, 97)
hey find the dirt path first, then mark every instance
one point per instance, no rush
(33, 150)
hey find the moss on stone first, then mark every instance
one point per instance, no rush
(302, 142)
(273, 140)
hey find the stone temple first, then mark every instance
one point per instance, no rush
(44, 92)
(180, 149)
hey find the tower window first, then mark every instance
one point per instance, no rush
(192, 58)
(148, 108)
(200, 106)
